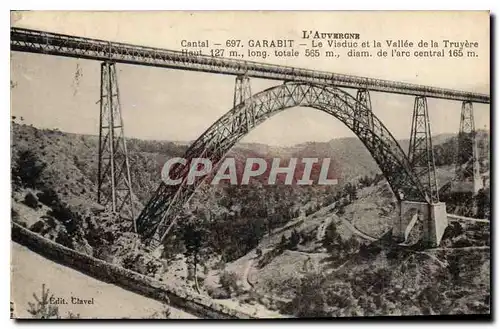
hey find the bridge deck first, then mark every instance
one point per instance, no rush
(34, 41)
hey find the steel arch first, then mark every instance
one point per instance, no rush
(161, 211)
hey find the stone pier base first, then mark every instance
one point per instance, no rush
(432, 216)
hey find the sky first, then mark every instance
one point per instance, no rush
(179, 105)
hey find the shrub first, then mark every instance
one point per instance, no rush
(28, 168)
(30, 200)
(48, 197)
(369, 250)
(283, 242)
(142, 263)
(65, 215)
(258, 252)
(294, 240)
(64, 239)
(38, 227)
(229, 282)
(217, 293)
(351, 244)
(310, 300)
(14, 215)
(104, 253)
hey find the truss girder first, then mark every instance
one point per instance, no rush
(162, 210)
(34, 41)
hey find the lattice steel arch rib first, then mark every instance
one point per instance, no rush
(375, 136)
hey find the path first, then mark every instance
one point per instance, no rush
(356, 231)
(456, 217)
(246, 282)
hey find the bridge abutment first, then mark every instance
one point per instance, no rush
(432, 218)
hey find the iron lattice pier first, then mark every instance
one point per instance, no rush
(467, 171)
(421, 152)
(114, 186)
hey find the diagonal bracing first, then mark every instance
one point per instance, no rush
(421, 153)
(114, 186)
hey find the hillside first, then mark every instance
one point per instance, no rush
(258, 247)
(335, 266)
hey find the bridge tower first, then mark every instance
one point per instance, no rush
(421, 153)
(242, 93)
(114, 185)
(431, 214)
(467, 175)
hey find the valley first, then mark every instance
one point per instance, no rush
(270, 251)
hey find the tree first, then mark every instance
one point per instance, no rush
(483, 203)
(331, 237)
(351, 191)
(310, 300)
(28, 168)
(229, 282)
(283, 241)
(42, 308)
(294, 239)
(258, 252)
(192, 237)
(31, 201)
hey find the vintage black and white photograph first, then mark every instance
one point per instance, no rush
(250, 165)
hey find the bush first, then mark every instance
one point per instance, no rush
(142, 263)
(66, 216)
(64, 239)
(48, 197)
(351, 244)
(38, 227)
(310, 300)
(30, 200)
(283, 243)
(258, 252)
(294, 240)
(229, 282)
(218, 293)
(28, 168)
(368, 251)
(14, 215)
